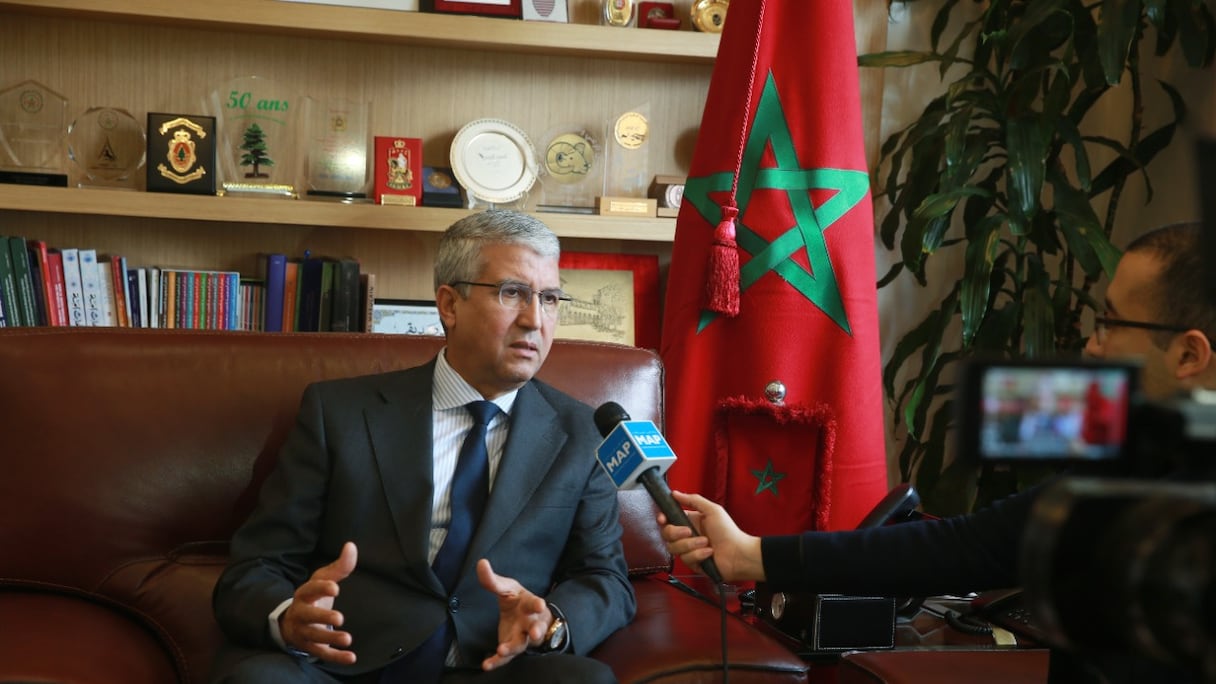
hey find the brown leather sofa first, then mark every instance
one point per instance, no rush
(130, 456)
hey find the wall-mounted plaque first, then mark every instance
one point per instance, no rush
(259, 144)
(33, 125)
(336, 163)
(181, 153)
(108, 146)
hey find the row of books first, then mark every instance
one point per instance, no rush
(45, 286)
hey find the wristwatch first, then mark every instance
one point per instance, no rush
(558, 634)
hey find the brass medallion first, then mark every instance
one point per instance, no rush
(618, 12)
(631, 130)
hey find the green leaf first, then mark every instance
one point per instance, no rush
(1069, 133)
(906, 346)
(1038, 321)
(1033, 34)
(1079, 223)
(1027, 147)
(1194, 31)
(982, 247)
(940, 21)
(892, 274)
(896, 58)
(1119, 25)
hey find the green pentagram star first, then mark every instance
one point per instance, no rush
(818, 286)
(768, 479)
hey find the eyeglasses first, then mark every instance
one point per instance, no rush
(517, 296)
(1101, 323)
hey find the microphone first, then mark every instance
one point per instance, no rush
(635, 451)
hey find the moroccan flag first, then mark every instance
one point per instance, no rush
(770, 333)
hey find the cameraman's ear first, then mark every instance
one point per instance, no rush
(1195, 355)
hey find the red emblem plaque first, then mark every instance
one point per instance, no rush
(398, 171)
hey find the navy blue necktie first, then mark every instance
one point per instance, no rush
(470, 489)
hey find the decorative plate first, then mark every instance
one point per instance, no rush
(493, 160)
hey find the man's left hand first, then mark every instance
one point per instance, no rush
(523, 617)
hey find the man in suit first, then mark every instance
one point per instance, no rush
(1156, 312)
(368, 558)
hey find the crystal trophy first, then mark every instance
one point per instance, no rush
(33, 124)
(258, 151)
(338, 135)
(108, 146)
(627, 169)
(571, 170)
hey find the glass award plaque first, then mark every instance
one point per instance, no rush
(258, 151)
(108, 146)
(627, 164)
(33, 125)
(571, 170)
(336, 164)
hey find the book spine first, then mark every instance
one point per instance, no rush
(57, 301)
(367, 292)
(171, 295)
(144, 310)
(346, 296)
(118, 280)
(291, 288)
(37, 273)
(8, 286)
(108, 315)
(197, 297)
(91, 287)
(73, 288)
(276, 282)
(40, 255)
(23, 281)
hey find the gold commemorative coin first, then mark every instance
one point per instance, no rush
(709, 16)
(439, 180)
(631, 130)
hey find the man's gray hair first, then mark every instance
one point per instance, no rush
(459, 255)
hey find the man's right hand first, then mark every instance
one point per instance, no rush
(310, 624)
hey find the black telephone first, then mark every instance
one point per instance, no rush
(1005, 608)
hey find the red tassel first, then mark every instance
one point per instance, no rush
(722, 280)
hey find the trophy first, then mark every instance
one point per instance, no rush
(258, 147)
(627, 171)
(181, 153)
(108, 146)
(571, 170)
(33, 123)
(337, 149)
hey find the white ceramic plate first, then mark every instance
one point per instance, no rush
(493, 160)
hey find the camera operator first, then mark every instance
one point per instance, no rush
(1155, 312)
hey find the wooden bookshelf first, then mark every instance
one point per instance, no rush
(424, 75)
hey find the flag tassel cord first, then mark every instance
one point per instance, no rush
(722, 283)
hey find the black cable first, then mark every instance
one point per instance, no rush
(725, 660)
(967, 624)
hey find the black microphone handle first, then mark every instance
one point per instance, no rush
(661, 493)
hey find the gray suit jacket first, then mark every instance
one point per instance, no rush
(357, 466)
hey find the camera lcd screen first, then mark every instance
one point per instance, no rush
(1050, 412)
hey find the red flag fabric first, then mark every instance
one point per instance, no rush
(773, 279)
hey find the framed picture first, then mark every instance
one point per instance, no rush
(405, 317)
(497, 8)
(616, 298)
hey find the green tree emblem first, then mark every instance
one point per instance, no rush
(255, 154)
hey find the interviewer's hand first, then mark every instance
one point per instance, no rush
(736, 553)
(523, 617)
(310, 623)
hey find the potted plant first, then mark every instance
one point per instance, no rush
(999, 166)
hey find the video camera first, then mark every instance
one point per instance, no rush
(1119, 555)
